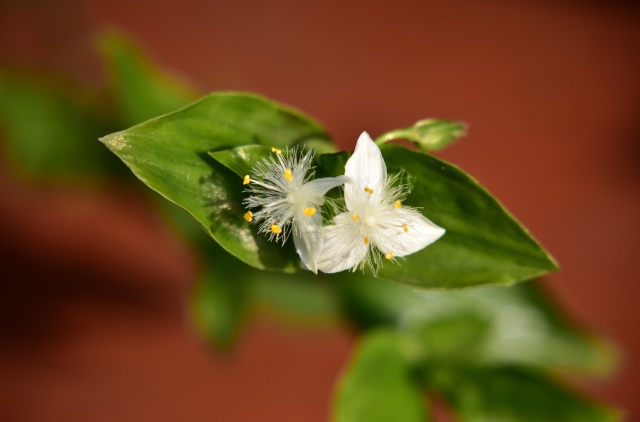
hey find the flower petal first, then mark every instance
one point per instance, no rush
(367, 170)
(307, 238)
(317, 188)
(343, 247)
(405, 231)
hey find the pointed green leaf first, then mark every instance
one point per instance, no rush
(377, 386)
(170, 155)
(483, 243)
(142, 91)
(508, 394)
(50, 129)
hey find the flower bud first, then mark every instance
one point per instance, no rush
(433, 134)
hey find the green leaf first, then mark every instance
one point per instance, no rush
(568, 345)
(513, 394)
(490, 325)
(377, 385)
(453, 339)
(50, 129)
(241, 160)
(218, 304)
(142, 91)
(300, 297)
(483, 243)
(170, 155)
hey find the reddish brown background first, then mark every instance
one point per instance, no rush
(93, 288)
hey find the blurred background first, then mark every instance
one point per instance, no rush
(94, 284)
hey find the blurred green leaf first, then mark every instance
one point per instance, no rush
(453, 339)
(218, 304)
(142, 91)
(508, 394)
(170, 155)
(301, 297)
(51, 131)
(377, 386)
(483, 243)
(511, 327)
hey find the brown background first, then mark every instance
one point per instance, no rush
(92, 323)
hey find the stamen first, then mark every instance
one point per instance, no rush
(288, 175)
(389, 255)
(275, 229)
(397, 204)
(276, 150)
(405, 227)
(309, 211)
(368, 190)
(355, 217)
(248, 216)
(366, 240)
(246, 180)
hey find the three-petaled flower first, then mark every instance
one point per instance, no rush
(289, 201)
(374, 219)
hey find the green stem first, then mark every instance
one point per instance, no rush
(394, 134)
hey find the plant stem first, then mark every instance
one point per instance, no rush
(394, 134)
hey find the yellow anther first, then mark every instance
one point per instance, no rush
(397, 204)
(366, 240)
(288, 175)
(246, 180)
(405, 227)
(276, 150)
(368, 190)
(248, 216)
(354, 217)
(309, 211)
(276, 229)
(389, 255)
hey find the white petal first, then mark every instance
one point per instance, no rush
(393, 237)
(366, 169)
(317, 188)
(307, 237)
(343, 247)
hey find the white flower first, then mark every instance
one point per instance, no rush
(289, 202)
(375, 217)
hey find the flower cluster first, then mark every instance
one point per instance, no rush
(374, 223)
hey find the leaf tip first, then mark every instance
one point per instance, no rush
(552, 264)
(115, 142)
